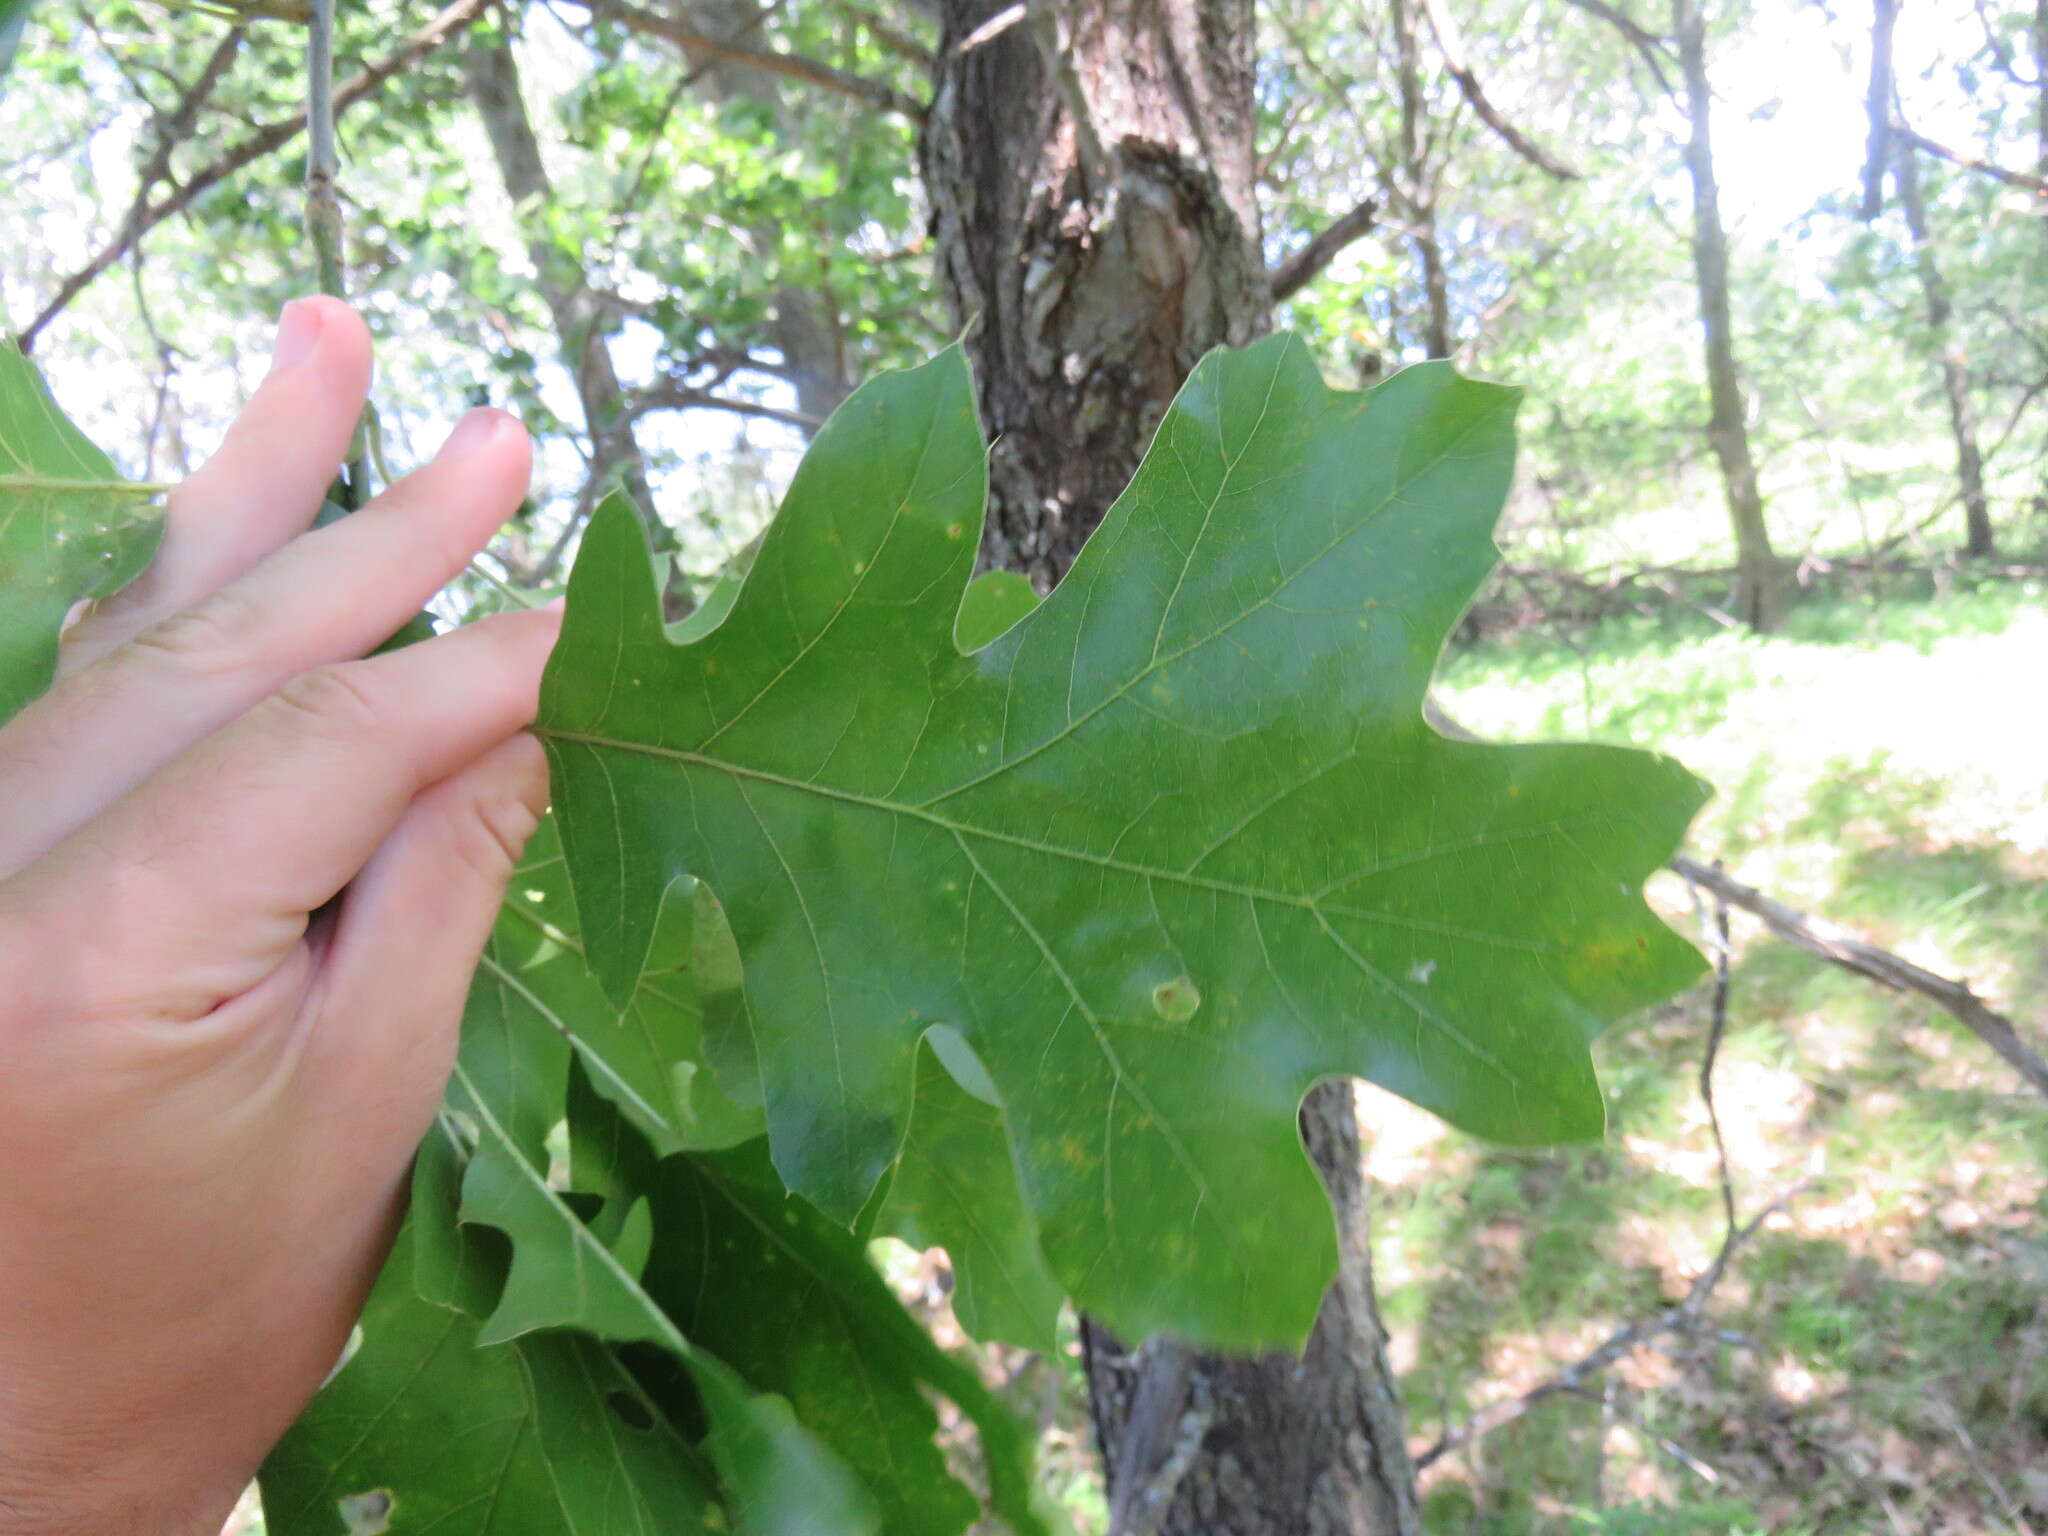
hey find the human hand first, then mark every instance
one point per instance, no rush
(209, 1095)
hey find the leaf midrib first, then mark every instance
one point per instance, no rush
(1311, 903)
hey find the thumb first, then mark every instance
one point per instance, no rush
(411, 928)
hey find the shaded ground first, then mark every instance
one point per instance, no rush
(1883, 1362)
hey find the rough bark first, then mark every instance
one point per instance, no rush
(577, 310)
(1096, 254)
(1948, 347)
(1091, 176)
(1759, 580)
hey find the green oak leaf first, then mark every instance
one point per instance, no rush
(423, 1431)
(70, 526)
(617, 1463)
(992, 604)
(775, 1474)
(654, 1060)
(419, 1422)
(793, 1304)
(1175, 846)
(953, 1187)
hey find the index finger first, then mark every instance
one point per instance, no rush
(198, 883)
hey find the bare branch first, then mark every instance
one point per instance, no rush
(172, 129)
(2034, 184)
(993, 28)
(265, 140)
(1723, 951)
(795, 67)
(1300, 269)
(1654, 49)
(1098, 164)
(1146, 1471)
(672, 396)
(1452, 46)
(1880, 965)
(886, 32)
(1681, 1318)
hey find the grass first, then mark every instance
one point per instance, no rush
(1885, 1359)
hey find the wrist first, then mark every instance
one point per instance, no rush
(54, 1484)
(101, 1447)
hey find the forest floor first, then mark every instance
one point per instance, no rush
(1876, 1355)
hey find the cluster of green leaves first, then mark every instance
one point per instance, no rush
(879, 900)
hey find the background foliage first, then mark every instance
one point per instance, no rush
(745, 246)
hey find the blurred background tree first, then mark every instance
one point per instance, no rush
(1772, 275)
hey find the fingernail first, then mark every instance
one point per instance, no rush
(471, 433)
(298, 335)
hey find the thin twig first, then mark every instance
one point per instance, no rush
(323, 218)
(1452, 47)
(886, 32)
(1717, 1029)
(875, 92)
(2034, 184)
(1654, 50)
(265, 140)
(1680, 1318)
(1300, 269)
(671, 396)
(1842, 948)
(993, 28)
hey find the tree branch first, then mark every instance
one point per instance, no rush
(1681, 1318)
(172, 130)
(1448, 41)
(672, 396)
(1877, 105)
(795, 67)
(1300, 269)
(1880, 965)
(1008, 17)
(1146, 1478)
(886, 32)
(324, 227)
(1644, 41)
(266, 139)
(2034, 184)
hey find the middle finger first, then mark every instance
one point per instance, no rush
(327, 596)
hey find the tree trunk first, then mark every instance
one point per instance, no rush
(1759, 580)
(1418, 189)
(1090, 168)
(1948, 346)
(1090, 171)
(1198, 1445)
(580, 323)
